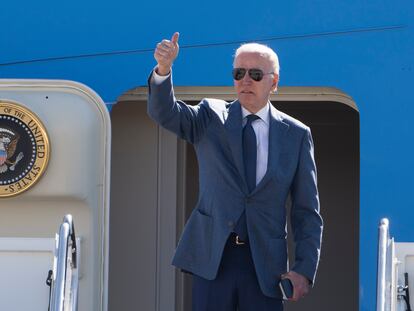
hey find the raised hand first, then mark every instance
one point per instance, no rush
(165, 54)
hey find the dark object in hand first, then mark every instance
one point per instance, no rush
(286, 287)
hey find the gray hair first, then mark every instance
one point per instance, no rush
(261, 49)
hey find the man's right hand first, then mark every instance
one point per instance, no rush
(165, 54)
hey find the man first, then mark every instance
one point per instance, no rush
(250, 157)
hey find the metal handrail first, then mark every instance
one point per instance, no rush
(65, 269)
(383, 239)
(69, 220)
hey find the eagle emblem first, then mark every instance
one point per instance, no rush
(8, 145)
(24, 149)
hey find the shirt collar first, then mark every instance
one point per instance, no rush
(262, 113)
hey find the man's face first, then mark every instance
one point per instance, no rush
(253, 95)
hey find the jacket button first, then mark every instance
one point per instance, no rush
(248, 200)
(230, 224)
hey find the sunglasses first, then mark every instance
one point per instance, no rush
(254, 73)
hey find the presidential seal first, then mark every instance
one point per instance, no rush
(24, 149)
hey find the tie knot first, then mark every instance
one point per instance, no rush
(251, 118)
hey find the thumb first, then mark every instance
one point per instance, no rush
(174, 38)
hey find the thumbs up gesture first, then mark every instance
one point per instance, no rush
(165, 54)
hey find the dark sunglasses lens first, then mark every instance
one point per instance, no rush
(238, 73)
(256, 74)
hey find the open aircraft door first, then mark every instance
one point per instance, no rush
(54, 160)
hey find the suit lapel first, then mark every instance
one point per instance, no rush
(277, 131)
(234, 128)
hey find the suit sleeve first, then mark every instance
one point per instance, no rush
(306, 220)
(188, 122)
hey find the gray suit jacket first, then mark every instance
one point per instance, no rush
(214, 127)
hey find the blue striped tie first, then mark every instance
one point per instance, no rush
(250, 159)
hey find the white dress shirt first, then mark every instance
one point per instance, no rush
(158, 79)
(260, 127)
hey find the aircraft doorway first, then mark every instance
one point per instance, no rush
(163, 171)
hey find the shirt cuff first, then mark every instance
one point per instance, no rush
(158, 79)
